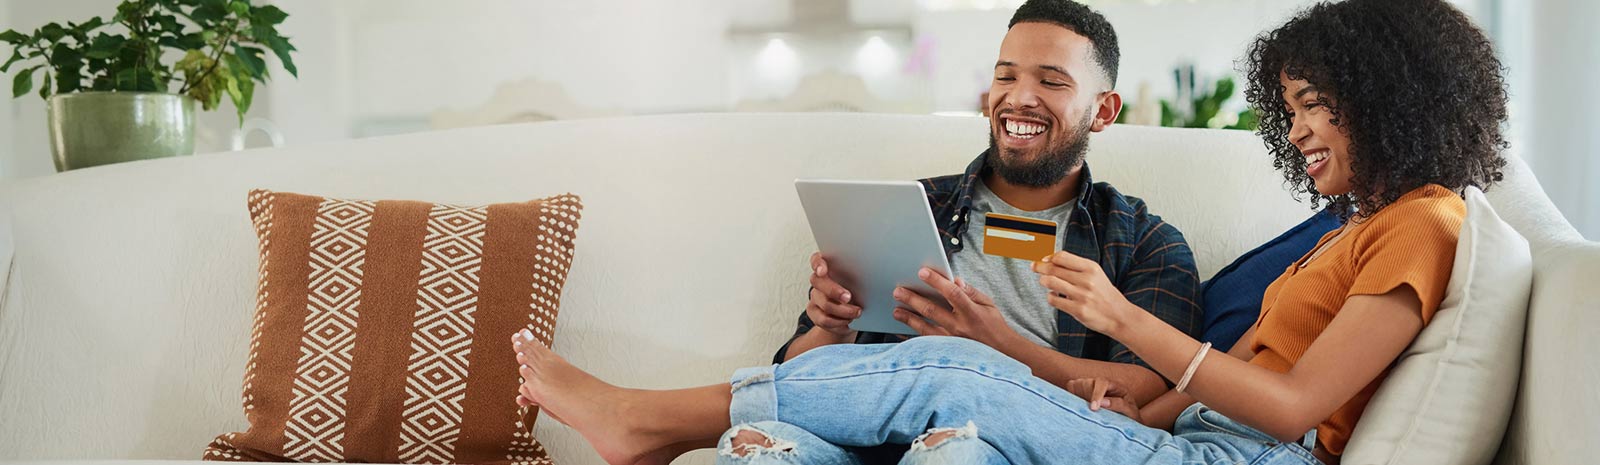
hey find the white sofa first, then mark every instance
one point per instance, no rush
(128, 288)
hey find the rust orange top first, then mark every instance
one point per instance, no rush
(1410, 242)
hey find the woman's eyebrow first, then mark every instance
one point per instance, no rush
(1303, 91)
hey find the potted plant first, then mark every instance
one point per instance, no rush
(110, 93)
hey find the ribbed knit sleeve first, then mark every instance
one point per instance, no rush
(1413, 245)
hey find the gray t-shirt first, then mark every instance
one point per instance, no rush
(1012, 282)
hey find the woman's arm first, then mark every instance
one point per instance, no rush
(1163, 411)
(1368, 334)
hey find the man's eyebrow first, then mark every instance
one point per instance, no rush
(1057, 69)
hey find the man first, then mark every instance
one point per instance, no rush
(1053, 85)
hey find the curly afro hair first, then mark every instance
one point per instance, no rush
(1414, 83)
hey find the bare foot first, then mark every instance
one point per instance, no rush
(601, 412)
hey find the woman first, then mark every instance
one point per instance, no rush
(1385, 109)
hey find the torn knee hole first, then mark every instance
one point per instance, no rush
(936, 436)
(932, 440)
(749, 441)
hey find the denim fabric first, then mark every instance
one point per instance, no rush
(792, 445)
(855, 395)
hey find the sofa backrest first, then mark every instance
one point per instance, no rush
(126, 311)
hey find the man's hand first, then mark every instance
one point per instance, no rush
(973, 316)
(830, 308)
(1079, 287)
(1102, 393)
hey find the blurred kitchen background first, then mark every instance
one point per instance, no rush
(377, 67)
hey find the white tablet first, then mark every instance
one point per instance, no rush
(875, 236)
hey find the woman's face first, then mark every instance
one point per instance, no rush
(1325, 145)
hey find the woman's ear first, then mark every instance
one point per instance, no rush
(1109, 106)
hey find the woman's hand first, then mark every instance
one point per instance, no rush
(1103, 393)
(1080, 288)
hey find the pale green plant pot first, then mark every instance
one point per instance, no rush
(99, 128)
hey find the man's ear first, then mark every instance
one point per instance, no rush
(1109, 106)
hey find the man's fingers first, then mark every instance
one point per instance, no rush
(830, 289)
(923, 306)
(818, 264)
(1115, 390)
(841, 311)
(1071, 262)
(1098, 393)
(975, 294)
(948, 289)
(915, 321)
(821, 318)
(1079, 387)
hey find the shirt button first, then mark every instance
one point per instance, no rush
(954, 241)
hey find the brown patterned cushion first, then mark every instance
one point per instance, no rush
(382, 329)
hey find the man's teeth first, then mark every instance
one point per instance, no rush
(1023, 129)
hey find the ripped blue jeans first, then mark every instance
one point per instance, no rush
(818, 407)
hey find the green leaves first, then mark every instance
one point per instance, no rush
(105, 46)
(16, 56)
(1204, 110)
(44, 90)
(23, 83)
(52, 32)
(239, 85)
(224, 45)
(250, 59)
(11, 36)
(281, 48)
(269, 15)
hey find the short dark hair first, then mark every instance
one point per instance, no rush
(1080, 19)
(1413, 82)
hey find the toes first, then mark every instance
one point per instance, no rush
(527, 373)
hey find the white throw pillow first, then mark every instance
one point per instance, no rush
(1449, 396)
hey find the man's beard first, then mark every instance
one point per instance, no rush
(1052, 165)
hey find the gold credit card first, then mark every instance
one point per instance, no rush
(1018, 237)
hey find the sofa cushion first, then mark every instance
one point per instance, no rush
(382, 329)
(1231, 300)
(1449, 395)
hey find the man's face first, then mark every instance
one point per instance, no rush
(1044, 101)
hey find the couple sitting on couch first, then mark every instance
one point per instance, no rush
(1384, 109)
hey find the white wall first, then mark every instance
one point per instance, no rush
(1153, 38)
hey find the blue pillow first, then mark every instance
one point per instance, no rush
(1232, 299)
